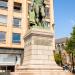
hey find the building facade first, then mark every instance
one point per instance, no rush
(13, 26)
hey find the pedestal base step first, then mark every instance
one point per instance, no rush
(42, 72)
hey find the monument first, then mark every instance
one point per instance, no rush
(39, 45)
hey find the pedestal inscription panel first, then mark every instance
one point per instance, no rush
(45, 42)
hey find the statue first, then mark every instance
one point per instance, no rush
(32, 17)
(37, 13)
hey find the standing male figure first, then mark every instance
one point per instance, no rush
(39, 9)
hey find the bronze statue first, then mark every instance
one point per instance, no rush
(37, 13)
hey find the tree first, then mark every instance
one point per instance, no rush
(70, 46)
(58, 58)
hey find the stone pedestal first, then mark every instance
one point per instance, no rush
(38, 55)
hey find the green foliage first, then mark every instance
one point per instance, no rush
(58, 58)
(70, 45)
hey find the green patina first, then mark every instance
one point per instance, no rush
(37, 14)
(38, 2)
(32, 16)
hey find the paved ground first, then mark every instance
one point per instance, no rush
(72, 74)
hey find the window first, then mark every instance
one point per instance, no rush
(16, 22)
(17, 6)
(7, 59)
(3, 19)
(47, 12)
(2, 36)
(3, 3)
(16, 38)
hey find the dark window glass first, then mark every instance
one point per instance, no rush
(3, 19)
(17, 6)
(16, 38)
(2, 36)
(3, 3)
(16, 22)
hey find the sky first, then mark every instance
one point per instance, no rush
(64, 14)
